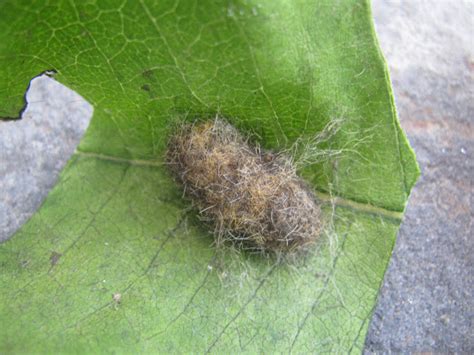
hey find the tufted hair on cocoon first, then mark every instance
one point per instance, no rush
(252, 197)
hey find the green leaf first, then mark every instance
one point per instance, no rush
(116, 224)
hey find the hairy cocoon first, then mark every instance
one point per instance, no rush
(253, 197)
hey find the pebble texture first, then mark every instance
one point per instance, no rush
(427, 299)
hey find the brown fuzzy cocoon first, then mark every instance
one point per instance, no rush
(253, 197)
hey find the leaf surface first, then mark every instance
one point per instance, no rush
(116, 224)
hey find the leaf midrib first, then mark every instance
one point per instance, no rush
(325, 197)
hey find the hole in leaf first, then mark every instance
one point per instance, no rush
(35, 149)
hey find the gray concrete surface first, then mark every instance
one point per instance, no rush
(427, 299)
(35, 149)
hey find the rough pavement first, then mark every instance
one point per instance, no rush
(427, 299)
